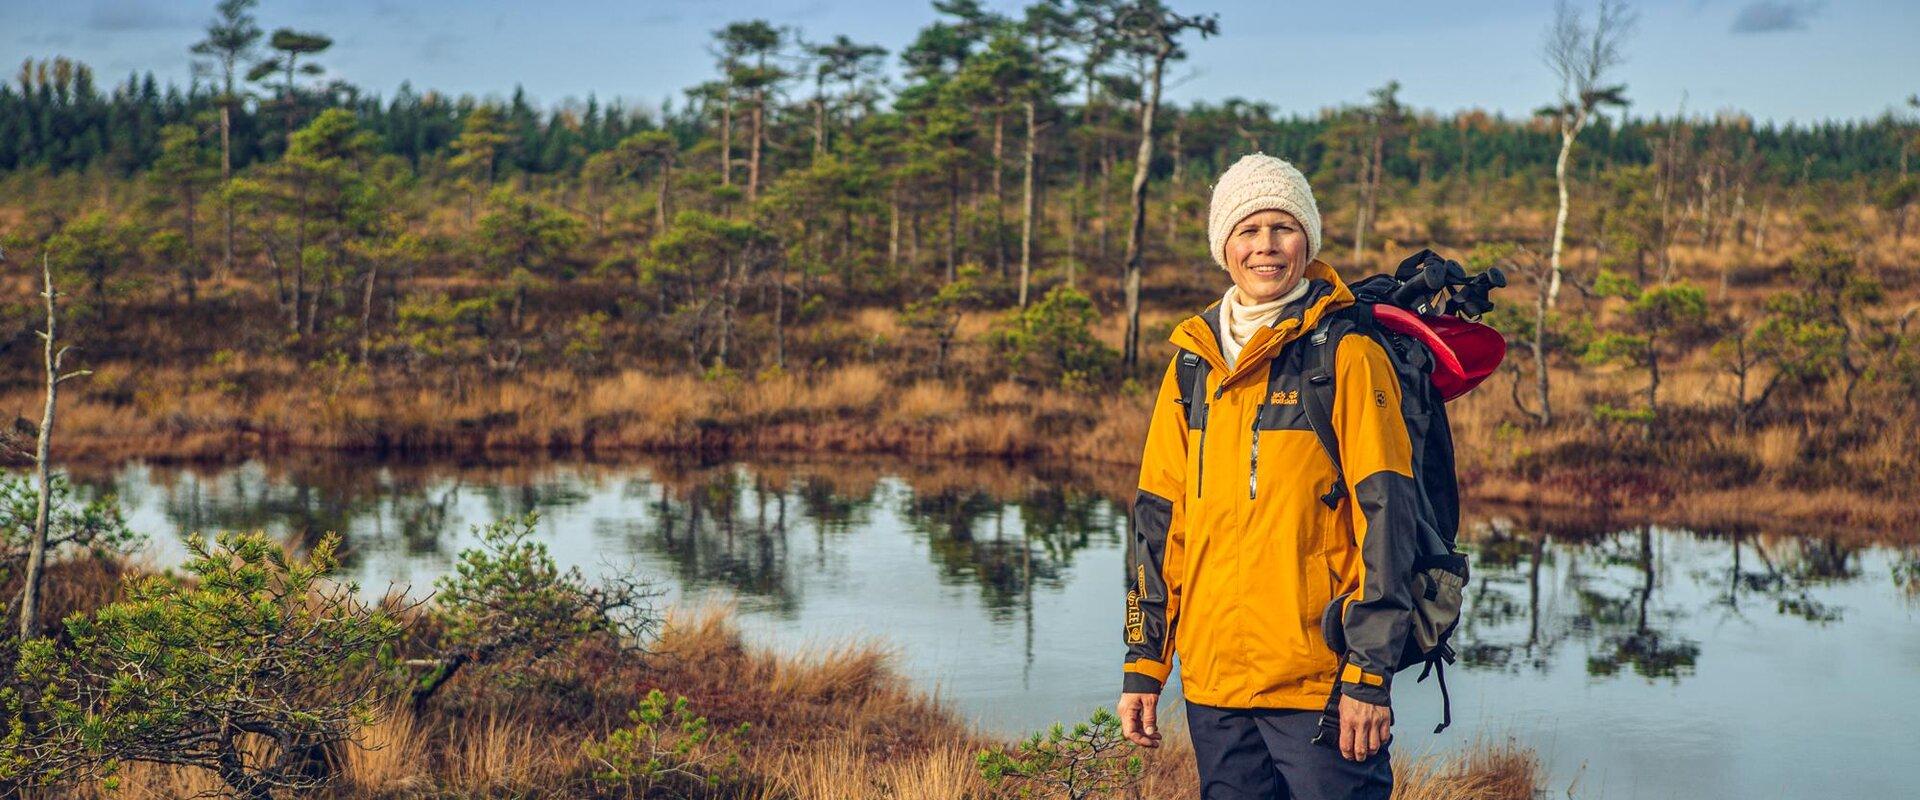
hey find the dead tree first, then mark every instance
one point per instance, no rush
(1581, 58)
(1150, 31)
(37, 546)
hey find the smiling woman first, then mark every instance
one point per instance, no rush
(1244, 532)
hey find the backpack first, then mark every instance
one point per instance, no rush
(1436, 358)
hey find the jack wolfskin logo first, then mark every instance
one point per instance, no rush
(1380, 398)
(1286, 398)
(1137, 619)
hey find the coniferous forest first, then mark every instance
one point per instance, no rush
(969, 246)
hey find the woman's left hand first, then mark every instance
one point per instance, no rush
(1364, 728)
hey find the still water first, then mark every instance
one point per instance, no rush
(1641, 662)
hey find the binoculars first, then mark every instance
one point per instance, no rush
(1425, 274)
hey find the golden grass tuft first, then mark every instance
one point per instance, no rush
(389, 755)
(504, 753)
(1481, 771)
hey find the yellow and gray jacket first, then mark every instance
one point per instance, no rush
(1241, 538)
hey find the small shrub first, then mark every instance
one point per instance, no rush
(508, 600)
(1051, 342)
(256, 655)
(1089, 762)
(667, 742)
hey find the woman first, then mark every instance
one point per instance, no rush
(1245, 533)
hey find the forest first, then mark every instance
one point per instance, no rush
(968, 248)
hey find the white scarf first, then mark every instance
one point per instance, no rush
(1239, 319)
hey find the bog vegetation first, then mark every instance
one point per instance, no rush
(253, 672)
(970, 243)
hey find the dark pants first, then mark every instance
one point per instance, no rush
(1268, 754)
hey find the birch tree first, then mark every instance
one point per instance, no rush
(1582, 57)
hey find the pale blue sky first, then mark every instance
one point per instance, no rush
(1783, 60)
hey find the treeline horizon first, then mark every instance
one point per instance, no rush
(54, 115)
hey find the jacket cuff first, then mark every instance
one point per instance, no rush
(1364, 686)
(1144, 675)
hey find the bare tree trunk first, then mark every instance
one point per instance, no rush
(192, 263)
(1026, 213)
(366, 309)
(753, 158)
(726, 140)
(999, 194)
(1137, 232)
(226, 177)
(726, 314)
(953, 216)
(1568, 131)
(37, 545)
(1540, 359)
(893, 230)
(780, 318)
(1369, 185)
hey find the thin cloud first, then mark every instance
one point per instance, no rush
(1769, 16)
(131, 15)
(47, 39)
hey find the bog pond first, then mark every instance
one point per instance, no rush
(1639, 661)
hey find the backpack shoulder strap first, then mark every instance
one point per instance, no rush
(1323, 344)
(1191, 372)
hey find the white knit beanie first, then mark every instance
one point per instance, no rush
(1258, 182)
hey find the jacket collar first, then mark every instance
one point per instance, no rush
(1200, 333)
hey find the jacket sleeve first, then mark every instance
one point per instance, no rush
(1377, 459)
(1156, 537)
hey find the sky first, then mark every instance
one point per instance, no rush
(1777, 60)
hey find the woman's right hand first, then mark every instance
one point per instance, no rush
(1137, 721)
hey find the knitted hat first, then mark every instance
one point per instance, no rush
(1258, 182)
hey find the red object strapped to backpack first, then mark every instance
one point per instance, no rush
(1464, 352)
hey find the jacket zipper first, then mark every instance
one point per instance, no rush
(1253, 456)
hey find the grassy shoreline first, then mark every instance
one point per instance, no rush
(833, 721)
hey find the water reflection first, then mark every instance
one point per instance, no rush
(1536, 591)
(1000, 586)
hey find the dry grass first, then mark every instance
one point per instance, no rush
(389, 756)
(1482, 771)
(502, 752)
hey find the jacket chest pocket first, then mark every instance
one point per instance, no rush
(1280, 409)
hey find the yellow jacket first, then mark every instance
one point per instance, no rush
(1238, 540)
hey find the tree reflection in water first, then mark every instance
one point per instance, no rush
(1614, 578)
(727, 529)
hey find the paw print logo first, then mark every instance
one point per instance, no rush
(1380, 398)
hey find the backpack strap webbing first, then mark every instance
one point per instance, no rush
(1191, 373)
(1324, 344)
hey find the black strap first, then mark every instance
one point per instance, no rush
(1191, 373)
(1329, 723)
(1437, 664)
(1317, 398)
